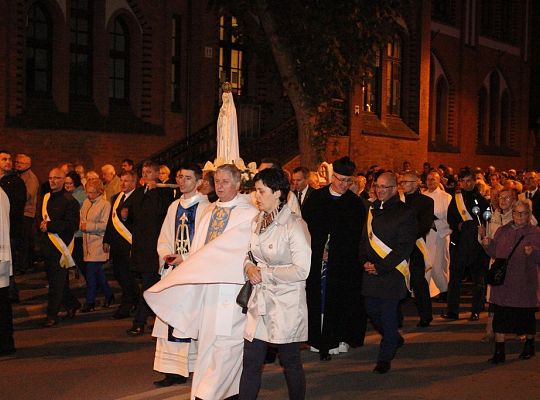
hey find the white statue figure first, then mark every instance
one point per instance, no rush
(227, 129)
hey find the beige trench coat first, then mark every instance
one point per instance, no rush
(95, 214)
(277, 310)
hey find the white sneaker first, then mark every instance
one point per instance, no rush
(343, 347)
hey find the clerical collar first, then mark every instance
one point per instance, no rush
(226, 204)
(186, 203)
(336, 194)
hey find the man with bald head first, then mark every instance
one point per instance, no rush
(58, 218)
(111, 182)
(387, 243)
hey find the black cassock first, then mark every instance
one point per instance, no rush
(342, 218)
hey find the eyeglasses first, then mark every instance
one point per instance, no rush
(521, 213)
(383, 187)
(55, 178)
(343, 180)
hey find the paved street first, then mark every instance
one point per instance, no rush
(91, 357)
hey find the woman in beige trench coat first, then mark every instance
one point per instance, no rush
(279, 265)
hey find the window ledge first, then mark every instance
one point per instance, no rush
(443, 148)
(496, 151)
(394, 127)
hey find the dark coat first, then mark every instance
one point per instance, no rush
(15, 189)
(63, 212)
(147, 212)
(536, 204)
(396, 225)
(423, 206)
(344, 318)
(118, 244)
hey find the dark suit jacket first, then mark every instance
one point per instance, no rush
(147, 211)
(536, 205)
(396, 225)
(118, 244)
(424, 209)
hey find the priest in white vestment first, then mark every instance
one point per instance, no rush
(7, 345)
(438, 238)
(207, 284)
(175, 356)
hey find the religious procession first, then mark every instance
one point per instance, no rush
(229, 265)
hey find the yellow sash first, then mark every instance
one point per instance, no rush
(66, 260)
(420, 242)
(383, 250)
(461, 208)
(117, 223)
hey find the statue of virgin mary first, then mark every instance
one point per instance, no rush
(227, 129)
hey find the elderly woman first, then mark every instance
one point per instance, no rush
(94, 215)
(516, 300)
(278, 268)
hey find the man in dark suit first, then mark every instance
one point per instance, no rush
(424, 209)
(387, 243)
(148, 209)
(118, 240)
(300, 183)
(466, 252)
(532, 193)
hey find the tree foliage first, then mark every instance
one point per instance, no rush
(321, 48)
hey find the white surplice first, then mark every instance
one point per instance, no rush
(6, 269)
(438, 243)
(174, 357)
(198, 300)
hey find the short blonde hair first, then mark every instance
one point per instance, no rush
(96, 184)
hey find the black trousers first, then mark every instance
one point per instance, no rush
(25, 248)
(58, 277)
(149, 279)
(254, 355)
(476, 261)
(420, 286)
(6, 321)
(126, 280)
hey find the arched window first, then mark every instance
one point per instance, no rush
(494, 116)
(505, 118)
(231, 53)
(393, 77)
(119, 61)
(441, 116)
(482, 116)
(38, 51)
(80, 68)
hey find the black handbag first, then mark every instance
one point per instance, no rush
(497, 273)
(245, 293)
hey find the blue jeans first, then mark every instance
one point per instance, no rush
(384, 316)
(94, 277)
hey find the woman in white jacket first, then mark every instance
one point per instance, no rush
(277, 310)
(94, 215)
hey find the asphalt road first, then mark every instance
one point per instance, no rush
(91, 357)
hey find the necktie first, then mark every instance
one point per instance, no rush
(299, 196)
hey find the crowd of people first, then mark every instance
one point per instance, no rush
(324, 253)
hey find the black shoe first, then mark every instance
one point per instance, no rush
(49, 323)
(450, 316)
(382, 367)
(135, 330)
(324, 356)
(424, 323)
(171, 379)
(499, 356)
(88, 307)
(70, 313)
(109, 301)
(528, 350)
(474, 316)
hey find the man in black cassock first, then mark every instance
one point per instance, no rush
(335, 217)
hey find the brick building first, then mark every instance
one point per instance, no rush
(452, 88)
(95, 81)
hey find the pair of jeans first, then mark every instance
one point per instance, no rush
(96, 277)
(384, 316)
(254, 355)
